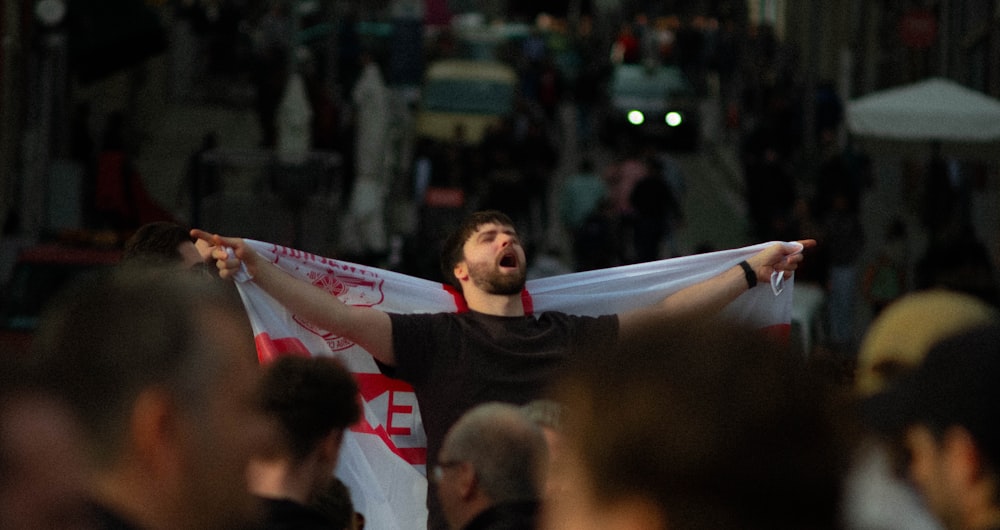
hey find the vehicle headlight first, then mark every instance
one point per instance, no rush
(673, 118)
(635, 117)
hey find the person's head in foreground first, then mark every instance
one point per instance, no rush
(159, 369)
(488, 468)
(948, 410)
(313, 401)
(700, 426)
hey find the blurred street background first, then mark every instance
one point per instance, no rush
(361, 130)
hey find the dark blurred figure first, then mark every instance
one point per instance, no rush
(589, 86)
(770, 191)
(83, 149)
(598, 242)
(271, 69)
(829, 111)
(158, 366)
(580, 195)
(877, 495)
(843, 239)
(654, 210)
(941, 199)
(203, 178)
(334, 502)
(313, 400)
(121, 201)
(886, 278)
(961, 263)
(747, 438)
(947, 410)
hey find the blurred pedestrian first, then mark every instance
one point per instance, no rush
(946, 410)
(159, 369)
(580, 195)
(843, 238)
(877, 495)
(886, 279)
(313, 401)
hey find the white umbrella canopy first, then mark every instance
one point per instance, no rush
(931, 110)
(906, 120)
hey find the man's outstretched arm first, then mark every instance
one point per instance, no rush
(369, 328)
(707, 298)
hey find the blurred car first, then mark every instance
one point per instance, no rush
(467, 95)
(39, 273)
(651, 103)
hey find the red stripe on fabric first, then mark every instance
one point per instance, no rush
(527, 302)
(416, 456)
(460, 305)
(269, 349)
(373, 386)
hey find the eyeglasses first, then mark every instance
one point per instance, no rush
(438, 472)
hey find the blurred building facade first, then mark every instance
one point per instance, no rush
(859, 45)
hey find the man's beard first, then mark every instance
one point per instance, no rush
(493, 281)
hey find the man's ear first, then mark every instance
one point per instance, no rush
(465, 479)
(968, 470)
(330, 447)
(963, 456)
(461, 271)
(154, 432)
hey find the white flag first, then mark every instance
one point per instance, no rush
(383, 459)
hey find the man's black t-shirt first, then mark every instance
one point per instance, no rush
(456, 361)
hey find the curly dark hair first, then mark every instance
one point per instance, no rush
(309, 397)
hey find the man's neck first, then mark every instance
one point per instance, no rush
(499, 305)
(279, 479)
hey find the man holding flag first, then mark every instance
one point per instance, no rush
(494, 348)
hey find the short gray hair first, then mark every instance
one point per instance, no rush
(504, 447)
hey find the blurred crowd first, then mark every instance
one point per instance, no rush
(142, 405)
(615, 203)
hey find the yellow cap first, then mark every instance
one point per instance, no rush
(899, 338)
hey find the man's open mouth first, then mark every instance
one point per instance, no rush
(508, 260)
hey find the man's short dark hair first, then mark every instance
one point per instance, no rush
(451, 252)
(309, 397)
(156, 242)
